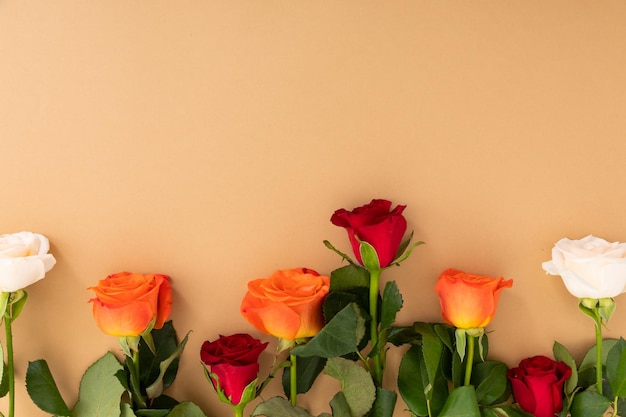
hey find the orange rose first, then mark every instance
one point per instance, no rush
(469, 301)
(288, 304)
(126, 303)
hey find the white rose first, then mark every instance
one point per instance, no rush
(590, 267)
(24, 260)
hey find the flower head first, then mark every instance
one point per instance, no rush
(24, 260)
(234, 362)
(377, 224)
(538, 385)
(469, 301)
(127, 304)
(288, 304)
(590, 267)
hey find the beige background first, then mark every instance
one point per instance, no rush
(212, 140)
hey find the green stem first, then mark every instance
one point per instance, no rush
(293, 380)
(598, 323)
(238, 410)
(377, 369)
(135, 384)
(10, 370)
(470, 359)
(615, 407)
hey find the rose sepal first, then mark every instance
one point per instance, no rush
(404, 251)
(461, 340)
(12, 303)
(248, 394)
(285, 344)
(338, 252)
(129, 344)
(597, 307)
(606, 307)
(369, 256)
(4, 303)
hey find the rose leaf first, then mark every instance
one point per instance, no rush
(356, 385)
(43, 390)
(100, 390)
(279, 407)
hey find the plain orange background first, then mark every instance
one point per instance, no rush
(212, 141)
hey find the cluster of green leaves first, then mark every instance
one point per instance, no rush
(431, 375)
(582, 397)
(107, 385)
(345, 340)
(355, 398)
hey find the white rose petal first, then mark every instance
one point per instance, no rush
(24, 260)
(590, 267)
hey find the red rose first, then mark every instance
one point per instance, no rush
(234, 359)
(376, 224)
(538, 385)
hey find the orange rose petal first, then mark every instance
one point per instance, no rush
(249, 307)
(164, 301)
(130, 320)
(280, 321)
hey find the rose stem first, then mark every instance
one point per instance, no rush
(598, 321)
(10, 371)
(470, 359)
(293, 380)
(238, 410)
(136, 393)
(378, 367)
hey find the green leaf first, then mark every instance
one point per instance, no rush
(461, 403)
(616, 368)
(356, 384)
(586, 369)
(100, 391)
(148, 412)
(279, 407)
(589, 404)
(348, 277)
(369, 257)
(411, 381)
(491, 382)
(418, 393)
(165, 343)
(339, 337)
(336, 301)
(589, 360)
(391, 305)
(561, 354)
(384, 404)
(402, 335)
(445, 332)
(186, 409)
(503, 411)
(307, 370)
(157, 387)
(127, 411)
(340, 406)
(432, 349)
(43, 390)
